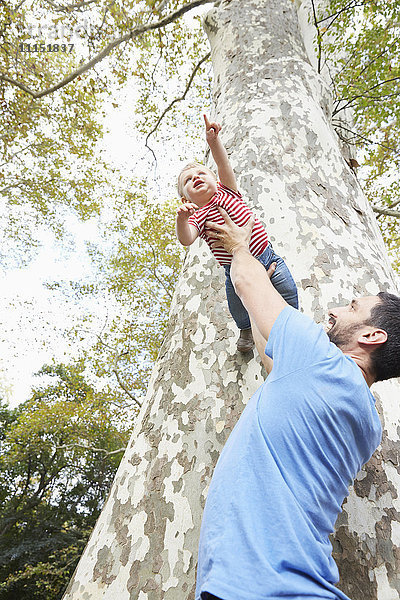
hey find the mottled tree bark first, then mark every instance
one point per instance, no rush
(275, 111)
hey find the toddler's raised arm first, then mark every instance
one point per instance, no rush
(225, 171)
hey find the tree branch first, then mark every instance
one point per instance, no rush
(115, 371)
(189, 83)
(370, 62)
(318, 36)
(22, 183)
(100, 27)
(340, 126)
(357, 51)
(334, 16)
(20, 497)
(394, 203)
(364, 94)
(69, 7)
(386, 212)
(31, 502)
(19, 152)
(91, 448)
(378, 98)
(107, 50)
(348, 61)
(153, 271)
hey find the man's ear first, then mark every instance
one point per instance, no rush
(373, 337)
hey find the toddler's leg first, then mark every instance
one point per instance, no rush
(284, 283)
(282, 279)
(240, 316)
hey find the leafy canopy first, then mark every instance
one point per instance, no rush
(138, 261)
(59, 453)
(51, 102)
(365, 76)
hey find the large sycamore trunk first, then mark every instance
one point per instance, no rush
(275, 111)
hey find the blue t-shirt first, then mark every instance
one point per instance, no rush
(285, 470)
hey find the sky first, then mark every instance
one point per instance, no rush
(34, 318)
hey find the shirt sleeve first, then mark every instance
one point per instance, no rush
(227, 198)
(297, 342)
(228, 190)
(192, 220)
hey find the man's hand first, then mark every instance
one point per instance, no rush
(230, 236)
(212, 130)
(250, 280)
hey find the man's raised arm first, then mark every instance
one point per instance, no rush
(251, 282)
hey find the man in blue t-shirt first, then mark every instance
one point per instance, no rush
(283, 474)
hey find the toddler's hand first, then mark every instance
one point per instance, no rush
(212, 130)
(186, 210)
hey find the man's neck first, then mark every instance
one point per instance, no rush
(360, 362)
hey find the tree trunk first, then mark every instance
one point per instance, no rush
(275, 111)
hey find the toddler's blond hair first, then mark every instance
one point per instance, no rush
(185, 168)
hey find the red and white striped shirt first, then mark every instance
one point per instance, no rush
(239, 212)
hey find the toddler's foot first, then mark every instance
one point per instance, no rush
(245, 342)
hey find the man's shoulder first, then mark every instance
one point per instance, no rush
(295, 321)
(297, 341)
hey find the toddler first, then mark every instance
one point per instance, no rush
(201, 193)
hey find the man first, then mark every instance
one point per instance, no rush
(282, 476)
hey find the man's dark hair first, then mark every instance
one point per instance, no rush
(385, 360)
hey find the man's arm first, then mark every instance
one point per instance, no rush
(218, 151)
(251, 282)
(185, 232)
(261, 344)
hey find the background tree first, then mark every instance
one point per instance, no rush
(51, 98)
(60, 449)
(136, 266)
(59, 453)
(47, 143)
(365, 78)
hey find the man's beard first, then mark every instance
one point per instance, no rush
(341, 337)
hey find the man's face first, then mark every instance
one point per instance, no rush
(346, 321)
(199, 184)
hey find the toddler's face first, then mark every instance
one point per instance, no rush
(199, 184)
